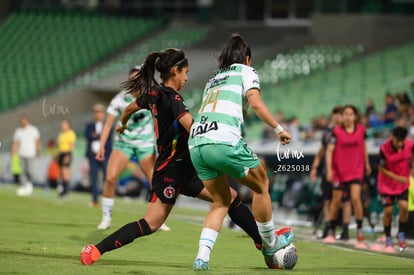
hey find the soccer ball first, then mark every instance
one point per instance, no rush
(285, 258)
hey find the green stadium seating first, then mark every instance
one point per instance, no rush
(40, 49)
(307, 96)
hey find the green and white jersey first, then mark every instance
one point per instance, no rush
(220, 118)
(140, 132)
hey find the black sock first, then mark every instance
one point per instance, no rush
(359, 224)
(243, 217)
(402, 226)
(123, 236)
(332, 226)
(345, 228)
(387, 230)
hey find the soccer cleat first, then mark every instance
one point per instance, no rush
(277, 232)
(361, 244)
(104, 225)
(25, 190)
(381, 239)
(344, 236)
(389, 248)
(281, 242)
(401, 241)
(164, 227)
(360, 236)
(89, 254)
(329, 239)
(199, 264)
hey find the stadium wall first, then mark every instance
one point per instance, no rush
(374, 32)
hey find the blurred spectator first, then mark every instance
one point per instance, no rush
(93, 134)
(373, 119)
(53, 172)
(391, 111)
(26, 144)
(66, 144)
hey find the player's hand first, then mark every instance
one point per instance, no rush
(329, 176)
(121, 128)
(285, 137)
(313, 175)
(368, 169)
(402, 179)
(101, 154)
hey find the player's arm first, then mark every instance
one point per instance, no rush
(387, 172)
(316, 162)
(126, 114)
(186, 120)
(261, 110)
(106, 130)
(328, 158)
(38, 146)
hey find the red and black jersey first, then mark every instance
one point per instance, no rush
(167, 106)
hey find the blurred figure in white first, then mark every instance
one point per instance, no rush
(27, 145)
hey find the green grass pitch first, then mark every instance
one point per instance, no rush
(41, 234)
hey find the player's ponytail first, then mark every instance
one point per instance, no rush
(144, 80)
(235, 50)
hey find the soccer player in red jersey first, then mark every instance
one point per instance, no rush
(396, 157)
(346, 163)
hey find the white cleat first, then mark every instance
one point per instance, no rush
(164, 227)
(104, 225)
(25, 190)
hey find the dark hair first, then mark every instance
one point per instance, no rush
(234, 51)
(163, 61)
(400, 132)
(337, 110)
(354, 109)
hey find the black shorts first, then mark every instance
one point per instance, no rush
(388, 200)
(174, 180)
(326, 187)
(65, 159)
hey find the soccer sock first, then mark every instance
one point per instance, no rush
(345, 228)
(241, 215)
(332, 227)
(107, 206)
(267, 232)
(387, 230)
(125, 235)
(207, 239)
(359, 224)
(65, 184)
(402, 226)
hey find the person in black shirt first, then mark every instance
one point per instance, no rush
(173, 171)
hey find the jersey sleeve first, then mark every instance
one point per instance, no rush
(250, 79)
(178, 106)
(332, 138)
(114, 106)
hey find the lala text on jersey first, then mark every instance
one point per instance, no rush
(204, 127)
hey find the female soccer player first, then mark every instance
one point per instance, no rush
(396, 158)
(346, 162)
(66, 143)
(173, 171)
(217, 148)
(136, 141)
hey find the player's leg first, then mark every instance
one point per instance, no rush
(155, 215)
(337, 194)
(403, 220)
(355, 189)
(346, 213)
(117, 162)
(387, 203)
